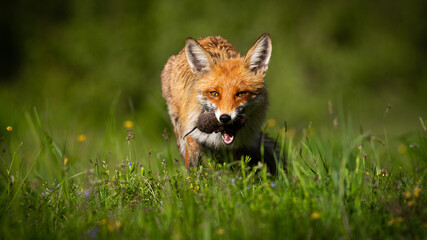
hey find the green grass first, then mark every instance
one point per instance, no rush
(340, 183)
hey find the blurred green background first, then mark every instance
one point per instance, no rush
(74, 61)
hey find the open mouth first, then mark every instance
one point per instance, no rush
(229, 131)
(227, 138)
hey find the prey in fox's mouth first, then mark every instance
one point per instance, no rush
(208, 123)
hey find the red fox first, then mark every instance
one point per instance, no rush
(210, 76)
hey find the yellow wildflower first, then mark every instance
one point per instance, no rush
(110, 228)
(81, 138)
(271, 122)
(407, 194)
(9, 128)
(252, 206)
(417, 191)
(395, 220)
(402, 149)
(103, 221)
(128, 124)
(221, 231)
(315, 215)
(191, 185)
(411, 203)
(65, 161)
(188, 177)
(118, 224)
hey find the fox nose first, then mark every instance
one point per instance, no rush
(225, 118)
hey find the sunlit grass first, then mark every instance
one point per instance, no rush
(339, 183)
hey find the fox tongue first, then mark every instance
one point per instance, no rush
(227, 138)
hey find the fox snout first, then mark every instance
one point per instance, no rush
(228, 117)
(225, 118)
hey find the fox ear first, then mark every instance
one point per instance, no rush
(258, 56)
(197, 57)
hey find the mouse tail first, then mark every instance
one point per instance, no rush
(192, 130)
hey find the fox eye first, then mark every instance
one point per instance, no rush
(214, 93)
(241, 94)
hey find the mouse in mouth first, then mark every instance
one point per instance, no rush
(208, 123)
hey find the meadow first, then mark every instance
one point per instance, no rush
(341, 183)
(87, 148)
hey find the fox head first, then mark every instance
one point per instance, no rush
(226, 85)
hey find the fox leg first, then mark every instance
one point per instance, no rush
(192, 153)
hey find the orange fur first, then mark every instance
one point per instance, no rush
(212, 64)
